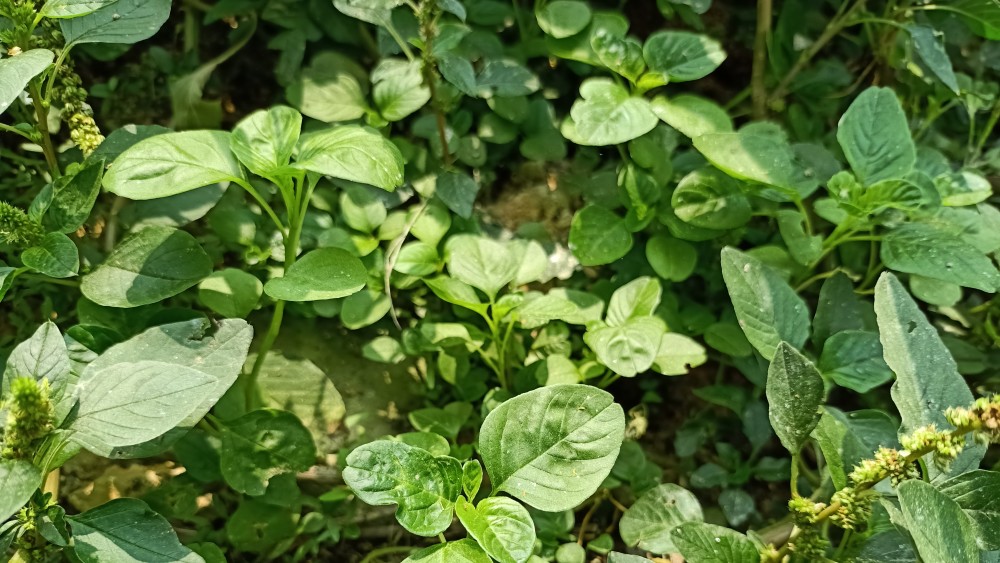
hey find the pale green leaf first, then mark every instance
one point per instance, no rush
(351, 152)
(937, 524)
(875, 137)
(501, 525)
(324, 273)
(648, 523)
(17, 71)
(126, 530)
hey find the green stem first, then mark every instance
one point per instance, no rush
(399, 41)
(796, 460)
(47, 279)
(43, 128)
(16, 131)
(263, 205)
(984, 135)
(265, 346)
(759, 70)
(390, 550)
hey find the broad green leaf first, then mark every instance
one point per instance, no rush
(563, 18)
(461, 551)
(552, 447)
(505, 78)
(533, 258)
(18, 481)
(472, 478)
(134, 402)
(926, 250)
(459, 72)
(648, 523)
(927, 379)
(398, 88)
(567, 305)
(794, 395)
(457, 190)
(598, 236)
(710, 199)
(638, 298)
(875, 137)
(331, 89)
(17, 71)
(677, 354)
(853, 359)
(261, 445)
(982, 16)
(572, 552)
(43, 356)
(324, 273)
(256, 527)
(630, 348)
(362, 209)
(55, 256)
(607, 115)
(692, 115)
(303, 389)
(231, 292)
(436, 444)
(217, 350)
(424, 487)
(937, 524)
(456, 293)
(768, 309)
(803, 247)
(848, 438)
(378, 12)
(122, 22)
(125, 530)
(578, 46)
(59, 9)
(699, 542)
(681, 56)
(622, 55)
(447, 421)
(963, 188)
(364, 308)
(68, 201)
(837, 309)
(173, 163)
(672, 259)
(265, 140)
(480, 262)
(978, 493)
(930, 48)
(757, 155)
(501, 525)
(147, 267)
(351, 152)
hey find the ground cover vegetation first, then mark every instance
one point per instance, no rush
(499, 280)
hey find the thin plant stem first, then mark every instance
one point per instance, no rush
(586, 520)
(16, 131)
(42, 119)
(759, 71)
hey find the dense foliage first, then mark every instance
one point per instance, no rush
(500, 280)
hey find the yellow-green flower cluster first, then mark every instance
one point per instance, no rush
(76, 112)
(887, 462)
(854, 510)
(810, 544)
(804, 510)
(17, 228)
(29, 417)
(983, 419)
(944, 444)
(20, 15)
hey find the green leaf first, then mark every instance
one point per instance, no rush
(699, 542)
(457, 190)
(853, 359)
(331, 89)
(552, 447)
(173, 163)
(623, 55)
(648, 523)
(261, 445)
(920, 248)
(378, 12)
(607, 115)
(456, 293)
(424, 487)
(930, 48)
(692, 115)
(876, 138)
(758, 155)
(447, 422)
(461, 551)
(146, 267)
(846, 439)
(501, 525)
(837, 309)
(937, 524)
(677, 354)
(597, 236)
(563, 18)
(17, 71)
(59, 9)
(355, 153)
(126, 530)
(18, 481)
(399, 88)
(257, 527)
(672, 259)
(710, 199)
(681, 56)
(131, 403)
(803, 247)
(472, 478)
(768, 309)
(794, 395)
(963, 188)
(324, 273)
(505, 78)
(364, 308)
(982, 16)
(459, 73)
(927, 379)
(362, 209)
(567, 305)
(43, 356)
(630, 348)
(303, 389)
(638, 298)
(69, 200)
(265, 140)
(55, 256)
(978, 493)
(231, 292)
(436, 444)
(480, 262)
(123, 22)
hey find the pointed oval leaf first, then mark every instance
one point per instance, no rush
(126, 530)
(265, 140)
(794, 394)
(628, 349)
(461, 551)
(424, 487)
(937, 524)
(918, 248)
(501, 525)
(355, 153)
(699, 542)
(483, 263)
(18, 480)
(648, 523)
(324, 273)
(261, 445)
(124, 22)
(552, 447)
(55, 256)
(876, 137)
(978, 493)
(17, 71)
(680, 56)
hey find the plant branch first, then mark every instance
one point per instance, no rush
(760, 58)
(42, 119)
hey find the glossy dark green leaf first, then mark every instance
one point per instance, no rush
(122, 22)
(930, 48)
(978, 493)
(68, 201)
(552, 447)
(458, 191)
(853, 359)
